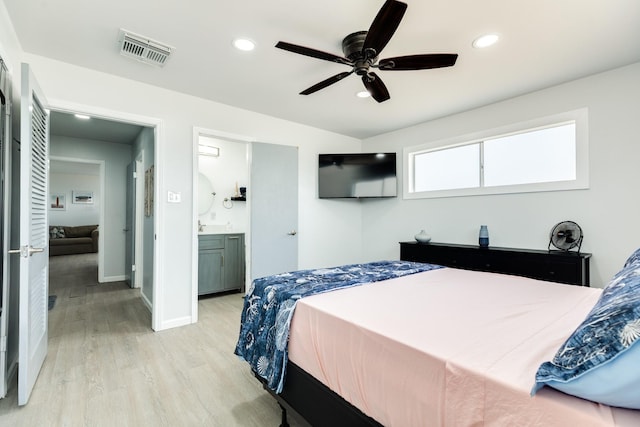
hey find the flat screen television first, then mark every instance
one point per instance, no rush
(358, 175)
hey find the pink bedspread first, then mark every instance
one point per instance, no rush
(447, 348)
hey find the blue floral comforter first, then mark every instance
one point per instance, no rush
(268, 308)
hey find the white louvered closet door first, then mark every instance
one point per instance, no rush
(34, 251)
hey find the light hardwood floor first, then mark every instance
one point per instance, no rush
(106, 367)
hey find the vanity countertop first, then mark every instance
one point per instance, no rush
(219, 229)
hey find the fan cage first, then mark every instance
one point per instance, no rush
(562, 226)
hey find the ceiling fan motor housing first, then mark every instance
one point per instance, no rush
(352, 45)
(352, 49)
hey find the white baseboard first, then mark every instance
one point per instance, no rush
(114, 279)
(146, 301)
(175, 323)
(12, 371)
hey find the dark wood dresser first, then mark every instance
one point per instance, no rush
(555, 266)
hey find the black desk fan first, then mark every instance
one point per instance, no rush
(565, 236)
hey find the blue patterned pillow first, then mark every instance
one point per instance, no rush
(600, 359)
(633, 259)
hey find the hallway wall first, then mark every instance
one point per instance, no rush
(116, 158)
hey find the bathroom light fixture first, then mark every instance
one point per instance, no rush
(245, 45)
(485, 41)
(206, 149)
(82, 116)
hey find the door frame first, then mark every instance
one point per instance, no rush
(134, 223)
(138, 219)
(157, 311)
(197, 133)
(101, 214)
(5, 217)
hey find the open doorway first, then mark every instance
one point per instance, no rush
(221, 177)
(79, 141)
(243, 187)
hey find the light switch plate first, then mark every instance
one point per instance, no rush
(173, 197)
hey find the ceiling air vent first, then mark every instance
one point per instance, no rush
(143, 48)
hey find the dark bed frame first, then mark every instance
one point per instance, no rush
(315, 402)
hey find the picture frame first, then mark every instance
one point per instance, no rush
(82, 197)
(57, 202)
(148, 191)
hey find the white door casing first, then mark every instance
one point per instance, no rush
(129, 230)
(34, 242)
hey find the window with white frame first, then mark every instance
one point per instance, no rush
(548, 154)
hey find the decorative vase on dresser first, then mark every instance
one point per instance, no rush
(483, 237)
(422, 237)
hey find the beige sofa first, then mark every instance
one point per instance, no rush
(66, 240)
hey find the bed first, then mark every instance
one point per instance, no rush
(450, 347)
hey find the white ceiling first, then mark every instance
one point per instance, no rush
(543, 43)
(65, 124)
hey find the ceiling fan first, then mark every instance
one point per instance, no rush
(361, 50)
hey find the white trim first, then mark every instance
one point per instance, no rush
(175, 323)
(223, 135)
(146, 302)
(580, 117)
(107, 279)
(194, 226)
(157, 311)
(138, 260)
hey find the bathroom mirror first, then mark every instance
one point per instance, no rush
(205, 194)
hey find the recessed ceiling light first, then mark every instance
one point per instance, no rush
(82, 116)
(244, 44)
(363, 94)
(485, 40)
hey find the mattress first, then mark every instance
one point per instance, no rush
(447, 347)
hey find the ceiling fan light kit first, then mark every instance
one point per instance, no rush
(485, 40)
(245, 45)
(361, 50)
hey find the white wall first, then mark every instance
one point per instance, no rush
(607, 211)
(116, 157)
(329, 233)
(75, 213)
(224, 172)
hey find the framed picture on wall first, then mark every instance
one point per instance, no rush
(58, 202)
(83, 197)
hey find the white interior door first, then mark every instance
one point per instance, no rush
(274, 209)
(5, 153)
(34, 249)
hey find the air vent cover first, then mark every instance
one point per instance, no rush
(143, 48)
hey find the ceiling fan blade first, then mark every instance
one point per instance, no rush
(376, 88)
(328, 82)
(383, 26)
(307, 51)
(418, 62)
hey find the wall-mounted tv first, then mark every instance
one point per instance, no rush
(357, 175)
